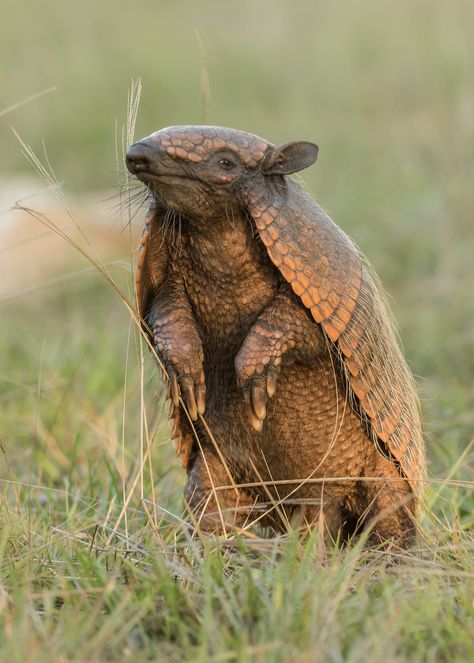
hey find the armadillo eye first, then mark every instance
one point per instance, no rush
(226, 164)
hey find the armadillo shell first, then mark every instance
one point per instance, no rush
(331, 278)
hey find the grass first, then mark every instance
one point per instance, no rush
(95, 561)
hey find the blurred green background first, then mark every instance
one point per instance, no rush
(387, 90)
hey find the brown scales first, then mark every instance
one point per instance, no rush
(322, 266)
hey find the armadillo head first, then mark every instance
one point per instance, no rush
(204, 170)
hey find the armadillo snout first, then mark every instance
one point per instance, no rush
(138, 158)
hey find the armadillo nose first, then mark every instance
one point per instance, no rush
(138, 158)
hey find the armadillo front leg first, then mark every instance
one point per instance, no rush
(284, 332)
(178, 344)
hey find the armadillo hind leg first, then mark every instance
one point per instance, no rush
(327, 517)
(212, 507)
(390, 505)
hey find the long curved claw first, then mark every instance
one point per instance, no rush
(193, 391)
(173, 385)
(255, 422)
(272, 377)
(201, 398)
(258, 388)
(187, 386)
(259, 398)
(201, 393)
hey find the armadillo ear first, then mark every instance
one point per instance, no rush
(289, 158)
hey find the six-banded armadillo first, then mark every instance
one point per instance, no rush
(291, 398)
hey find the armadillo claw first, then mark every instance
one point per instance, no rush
(193, 391)
(258, 388)
(173, 385)
(272, 377)
(187, 387)
(255, 422)
(201, 399)
(259, 399)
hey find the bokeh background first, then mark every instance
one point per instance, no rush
(385, 88)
